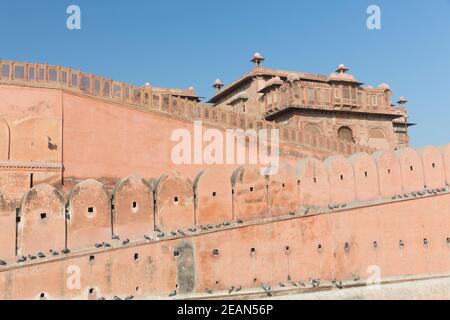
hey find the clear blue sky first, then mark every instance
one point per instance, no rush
(191, 43)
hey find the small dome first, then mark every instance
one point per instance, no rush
(384, 86)
(402, 100)
(147, 84)
(342, 68)
(218, 82)
(341, 77)
(257, 55)
(293, 77)
(257, 58)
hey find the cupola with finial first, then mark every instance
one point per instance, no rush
(342, 69)
(218, 85)
(402, 101)
(257, 59)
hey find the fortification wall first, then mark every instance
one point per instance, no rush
(221, 231)
(103, 129)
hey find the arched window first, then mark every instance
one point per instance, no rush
(313, 129)
(346, 134)
(377, 139)
(376, 134)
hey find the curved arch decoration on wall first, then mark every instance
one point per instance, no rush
(313, 129)
(5, 140)
(346, 134)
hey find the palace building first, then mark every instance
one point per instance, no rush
(337, 105)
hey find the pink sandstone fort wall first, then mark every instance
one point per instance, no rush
(106, 202)
(240, 230)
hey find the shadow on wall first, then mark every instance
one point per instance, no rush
(173, 204)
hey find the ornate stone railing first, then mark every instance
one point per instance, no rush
(325, 97)
(170, 102)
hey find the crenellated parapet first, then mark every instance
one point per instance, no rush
(137, 209)
(180, 104)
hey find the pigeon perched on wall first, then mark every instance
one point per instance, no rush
(173, 294)
(41, 255)
(2, 263)
(209, 291)
(315, 282)
(126, 241)
(337, 284)
(267, 289)
(54, 253)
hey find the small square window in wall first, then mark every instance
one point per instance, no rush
(134, 207)
(91, 211)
